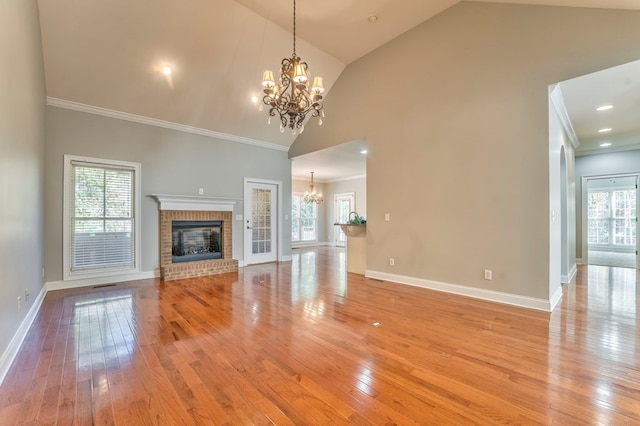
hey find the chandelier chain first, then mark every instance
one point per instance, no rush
(294, 28)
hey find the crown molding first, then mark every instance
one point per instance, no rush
(119, 115)
(555, 94)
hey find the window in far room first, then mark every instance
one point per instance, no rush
(304, 220)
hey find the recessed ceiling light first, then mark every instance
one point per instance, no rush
(604, 107)
(166, 70)
(372, 19)
(364, 151)
(605, 130)
(254, 99)
(605, 144)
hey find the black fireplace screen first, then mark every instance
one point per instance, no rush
(194, 240)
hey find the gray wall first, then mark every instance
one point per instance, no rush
(173, 163)
(457, 129)
(598, 165)
(21, 162)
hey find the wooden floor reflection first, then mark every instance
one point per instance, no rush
(296, 343)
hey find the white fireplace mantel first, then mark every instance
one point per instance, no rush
(194, 203)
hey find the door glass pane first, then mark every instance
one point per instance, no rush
(261, 211)
(624, 217)
(598, 217)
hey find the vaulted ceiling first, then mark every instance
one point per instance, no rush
(109, 55)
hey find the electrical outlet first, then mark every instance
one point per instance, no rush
(387, 217)
(392, 261)
(18, 305)
(200, 191)
(488, 274)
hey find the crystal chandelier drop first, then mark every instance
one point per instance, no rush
(293, 100)
(311, 196)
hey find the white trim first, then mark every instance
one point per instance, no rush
(580, 261)
(286, 258)
(278, 214)
(476, 293)
(557, 100)
(10, 353)
(194, 203)
(88, 282)
(555, 299)
(608, 150)
(345, 179)
(137, 206)
(308, 244)
(119, 115)
(566, 279)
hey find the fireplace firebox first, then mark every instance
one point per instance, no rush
(195, 240)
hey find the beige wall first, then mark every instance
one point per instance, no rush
(21, 163)
(173, 162)
(455, 113)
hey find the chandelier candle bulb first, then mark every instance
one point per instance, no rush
(300, 74)
(317, 87)
(267, 79)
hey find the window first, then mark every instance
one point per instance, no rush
(101, 203)
(304, 220)
(611, 217)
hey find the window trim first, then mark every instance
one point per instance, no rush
(67, 274)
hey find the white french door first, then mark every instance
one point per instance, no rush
(344, 204)
(260, 222)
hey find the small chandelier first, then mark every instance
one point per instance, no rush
(311, 196)
(292, 100)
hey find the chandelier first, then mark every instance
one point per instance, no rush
(311, 196)
(293, 100)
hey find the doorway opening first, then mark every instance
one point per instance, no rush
(344, 204)
(611, 220)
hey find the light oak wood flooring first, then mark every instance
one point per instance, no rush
(297, 343)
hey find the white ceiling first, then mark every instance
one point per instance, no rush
(109, 54)
(618, 86)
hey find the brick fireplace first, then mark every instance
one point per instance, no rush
(185, 208)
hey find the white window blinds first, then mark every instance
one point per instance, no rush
(102, 217)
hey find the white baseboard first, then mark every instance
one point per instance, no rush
(13, 348)
(556, 298)
(288, 258)
(477, 293)
(566, 279)
(63, 285)
(310, 244)
(580, 261)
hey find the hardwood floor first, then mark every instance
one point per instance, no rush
(295, 343)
